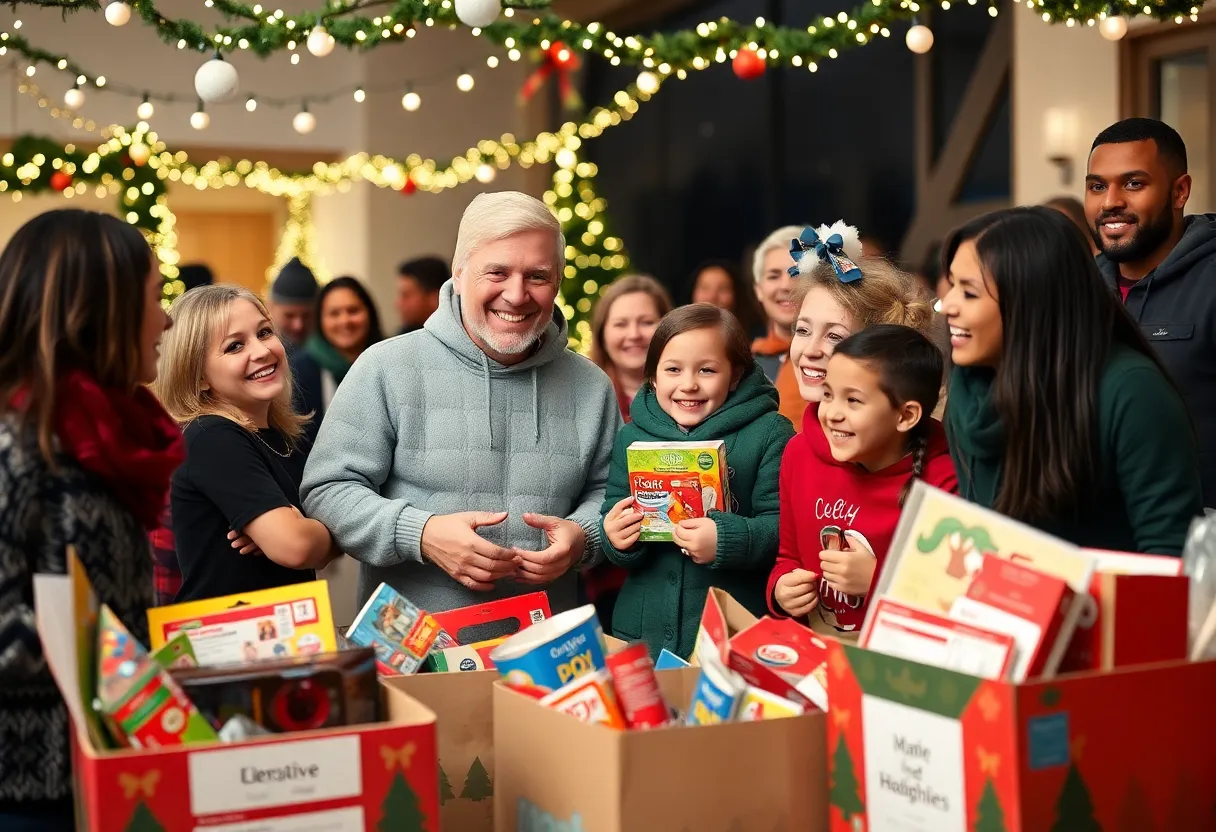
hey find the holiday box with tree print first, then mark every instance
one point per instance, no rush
(916, 748)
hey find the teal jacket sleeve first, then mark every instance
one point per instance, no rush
(616, 490)
(1156, 460)
(751, 542)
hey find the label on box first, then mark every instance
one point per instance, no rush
(263, 776)
(933, 639)
(914, 769)
(335, 820)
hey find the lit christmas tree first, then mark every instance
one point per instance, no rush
(594, 258)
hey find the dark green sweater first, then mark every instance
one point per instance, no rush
(665, 591)
(1149, 487)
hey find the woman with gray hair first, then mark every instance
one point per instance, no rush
(775, 291)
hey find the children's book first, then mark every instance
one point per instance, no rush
(675, 481)
(293, 620)
(401, 634)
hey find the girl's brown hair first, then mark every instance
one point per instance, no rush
(199, 317)
(702, 316)
(628, 285)
(885, 294)
(72, 289)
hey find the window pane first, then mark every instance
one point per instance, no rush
(1184, 95)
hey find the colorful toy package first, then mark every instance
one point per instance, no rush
(140, 703)
(674, 481)
(292, 620)
(401, 634)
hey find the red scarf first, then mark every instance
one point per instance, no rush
(127, 439)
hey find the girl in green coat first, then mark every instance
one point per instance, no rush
(702, 384)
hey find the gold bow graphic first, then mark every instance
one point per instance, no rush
(394, 757)
(990, 764)
(132, 784)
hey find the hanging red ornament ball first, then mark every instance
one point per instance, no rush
(748, 64)
(563, 56)
(61, 181)
(409, 187)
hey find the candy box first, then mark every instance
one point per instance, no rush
(676, 481)
(293, 620)
(399, 632)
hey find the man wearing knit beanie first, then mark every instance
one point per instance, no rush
(292, 297)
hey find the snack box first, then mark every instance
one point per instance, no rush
(399, 632)
(675, 481)
(463, 657)
(929, 638)
(293, 620)
(783, 657)
(138, 701)
(504, 617)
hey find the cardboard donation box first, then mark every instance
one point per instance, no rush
(556, 772)
(924, 749)
(345, 778)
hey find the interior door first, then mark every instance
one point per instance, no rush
(237, 246)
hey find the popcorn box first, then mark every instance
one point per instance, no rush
(675, 481)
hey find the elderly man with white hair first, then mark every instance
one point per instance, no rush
(466, 461)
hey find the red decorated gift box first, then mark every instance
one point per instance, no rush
(922, 749)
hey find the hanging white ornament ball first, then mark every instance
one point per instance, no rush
(216, 81)
(304, 122)
(117, 14)
(1113, 27)
(139, 153)
(145, 110)
(478, 13)
(485, 173)
(73, 99)
(199, 120)
(320, 42)
(919, 39)
(411, 101)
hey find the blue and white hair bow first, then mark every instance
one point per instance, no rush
(830, 251)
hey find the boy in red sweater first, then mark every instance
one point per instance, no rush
(844, 478)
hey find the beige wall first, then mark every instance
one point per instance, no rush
(1072, 71)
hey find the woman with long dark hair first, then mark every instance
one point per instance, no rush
(1060, 415)
(86, 453)
(347, 324)
(721, 283)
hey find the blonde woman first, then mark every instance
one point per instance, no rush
(235, 502)
(621, 326)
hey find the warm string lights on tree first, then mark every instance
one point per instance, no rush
(594, 258)
(299, 239)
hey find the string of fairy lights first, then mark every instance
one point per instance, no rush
(751, 48)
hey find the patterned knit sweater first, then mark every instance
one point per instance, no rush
(42, 512)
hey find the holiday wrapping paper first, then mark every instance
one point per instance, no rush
(922, 749)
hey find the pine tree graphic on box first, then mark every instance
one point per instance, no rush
(400, 808)
(445, 788)
(989, 816)
(142, 820)
(477, 785)
(844, 788)
(1074, 807)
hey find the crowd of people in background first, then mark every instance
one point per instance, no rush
(474, 456)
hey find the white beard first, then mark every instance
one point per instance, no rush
(507, 343)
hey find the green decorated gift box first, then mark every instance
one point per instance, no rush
(921, 749)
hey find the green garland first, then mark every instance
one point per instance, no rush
(269, 30)
(37, 164)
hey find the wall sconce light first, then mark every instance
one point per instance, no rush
(1060, 132)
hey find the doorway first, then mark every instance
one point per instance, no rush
(238, 247)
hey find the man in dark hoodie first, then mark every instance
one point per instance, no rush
(1162, 262)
